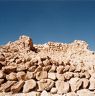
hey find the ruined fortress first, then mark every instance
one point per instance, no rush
(50, 69)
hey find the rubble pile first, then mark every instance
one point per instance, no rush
(51, 69)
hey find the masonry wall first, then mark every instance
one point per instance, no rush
(49, 69)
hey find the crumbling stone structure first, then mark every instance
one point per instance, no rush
(51, 69)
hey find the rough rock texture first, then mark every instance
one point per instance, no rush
(17, 86)
(29, 85)
(50, 69)
(62, 87)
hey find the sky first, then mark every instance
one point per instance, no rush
(48, 20)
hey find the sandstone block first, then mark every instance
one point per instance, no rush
(85, 92)
(41, 75)
(87, 75)
(21, 75)
(76, 75)
(17, 86)
(71, 94)
(72, 68)
(11, 77)
(62, 87)
(1, 81)
(92, 84)
(60, 69)
(6, 86)
(53, 68)
(52, 75)
(2, 75)
(53, 90)
(9, 69)
(32, 68)
(21, 67)
(46, 62)
(45, 84)
(47, 68)
(2, 57)
(29, 75)
(60, 76)
(29, 85)
(85, 82)
(44, 93)
(68, 75)
(75, 84)
(66, 68)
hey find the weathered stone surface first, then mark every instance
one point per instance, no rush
(21, 67)
(29, 75)
(38, 69)
(21, 75)
(32, 68)
(6, 86)
(93, 75)
(2, 60)
(1, 81)
(18, 61)
(27, 42)
(17, 86)
(85, 82)
(53, 90)
(46, 62)
(41, 75)
(29, 85)
(52, 75)
(85, 92)
(60, 69)
(75, 84)
(92, 84)
(11, 77)
(76, 75)
(2, 75)
(72, 68)
(68, 75)
(53, 68)
(45, 84)
(9, 69)
(81, 75)
(67, 67)
(62, 87)
(2, 57)
(87, 75)
(44, 93)
(71, 94)
(28, 63)
(78, 68)
(33, 93)
(60, 76)
(47, 68)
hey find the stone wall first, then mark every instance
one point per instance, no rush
(51, 69)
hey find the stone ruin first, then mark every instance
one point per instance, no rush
(51, 69)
